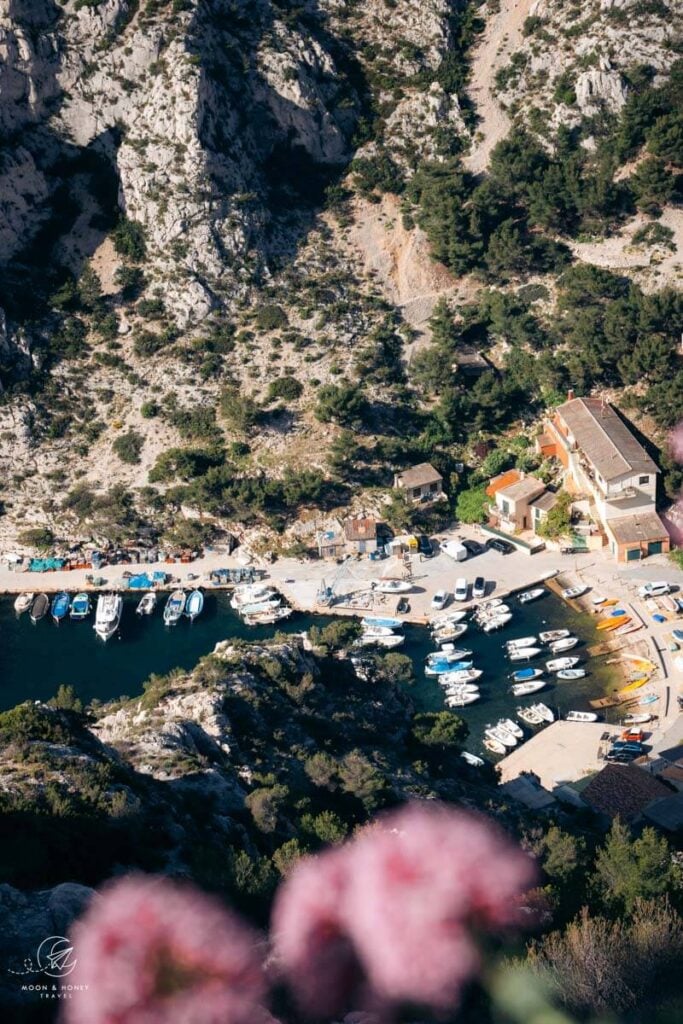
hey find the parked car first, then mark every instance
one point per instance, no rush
(654, 589)
(461, 589)
(425, 546)
(572, 551)
(502, 546)
(620, 757)
(473, 547)
(440, 600)
(454, 549)
(479, 587)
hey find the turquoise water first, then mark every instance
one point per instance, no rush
(36, 659)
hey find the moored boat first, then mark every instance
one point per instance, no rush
(440, 668)
(637, 719)
(496, 622)
(147, 604)
(464, 676)
(247, 593)
(108, 615)
(60, 606)
(374, 621)
(501, 734)
(472, 760)
(530, 686)
(194, 604)
(523, 641)
(395, 640)
(565, 644)
(650, 698)
(377, 631)
(581, 716)
(571, 593)
(453, 652)
(174, 607)
(571, 673)
(523, 653)
(544, 711)
(511, 726)
(551, 635)
(39, 607)
(523, 675)
(493, 745)
(529, 716)
(531, 595)
(450, 618)
(461, 700)
(450, 632)
(273, 615)
(80, 607)
(635, 684)
(561, 664)
(23, 602)
(612, 623)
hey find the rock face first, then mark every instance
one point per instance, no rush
(598, 90)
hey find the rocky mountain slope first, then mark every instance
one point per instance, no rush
(205, 200)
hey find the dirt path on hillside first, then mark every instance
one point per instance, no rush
(502, 36)
(654, 267)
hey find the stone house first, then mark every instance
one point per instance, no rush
(420, 483)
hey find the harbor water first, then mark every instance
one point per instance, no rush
(36, 659)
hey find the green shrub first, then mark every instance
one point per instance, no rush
(129, 240)
(286, 388)
(128, 447)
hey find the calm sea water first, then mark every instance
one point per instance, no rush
(35, 660)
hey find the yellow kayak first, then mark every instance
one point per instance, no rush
(643, 663)
(618, 620)
(608, 604)
(635, 685)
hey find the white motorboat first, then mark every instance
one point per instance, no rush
(571, 673)
(529, 716)
(370, 621)
(525, 675)
(380, 641)
(550, 635)
(174, 608)
(581, 716)
(494, 602)
(523, 641)
(194, 604)
(450, 632)
(637, 719)
(493, 745)
(511, 726)
(456, 653)
(561, 664)
(571, 593)
(394, 587)
(147, 604)
(80, 607)
(472, 760)
(597, 599)
(23, 602)
(108, 615)
(462, 700)
(273, 615)
(523, 653)
(449, 619)
(496, 622)
(488, 613)
(467, 675)
(248, 593)
(524, 689)
(544, 711)
(565, 644)
(496, 732)
(377, 631)
(255, 607)
(531, 595)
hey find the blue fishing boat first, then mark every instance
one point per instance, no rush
(438, 668)
(617, 613)
(524, 674)
(371, 621)
(60, 606)
(80, 607)
(677, 634)
(194, 604)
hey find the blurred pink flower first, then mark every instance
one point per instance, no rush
(676, 443)
(151, 951)
(405, 898)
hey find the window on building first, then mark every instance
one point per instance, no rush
(505, 507)
(416, 492)
(433, 488)
(643, 479)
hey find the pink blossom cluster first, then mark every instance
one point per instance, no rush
(151, 951)
(389, 917)
(396, 909)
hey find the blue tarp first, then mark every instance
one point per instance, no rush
(45, 564)
(141, 582)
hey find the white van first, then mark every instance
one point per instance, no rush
(454, 549)
(461, 589)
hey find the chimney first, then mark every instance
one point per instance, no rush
(570, 394)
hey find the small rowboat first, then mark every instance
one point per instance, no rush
(524, 641)
(551, 635)
(372, 621)
(637, 719)
(496, 622)
(642, 663)
(628, 627)
(635, 685)
(501, 735)
(564, 645)
(174, 608)
(571, 673)
(472, 759)
(571, 593)
(60, 606)
(531, 595)
(147, 604)
(437, 623)
(523, 675)
(581, 716)
(394, 587)
(39, 607)
(23, 603)
(194, 604)
(511, 726)
(544, 711)
(467, 676)
(80, 607)
(493, 745)
(561, 664)
(650, 698)
(613, 624)
(529, 716)
(460, 700)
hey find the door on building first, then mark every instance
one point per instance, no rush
(654, 547)
(633, 554)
